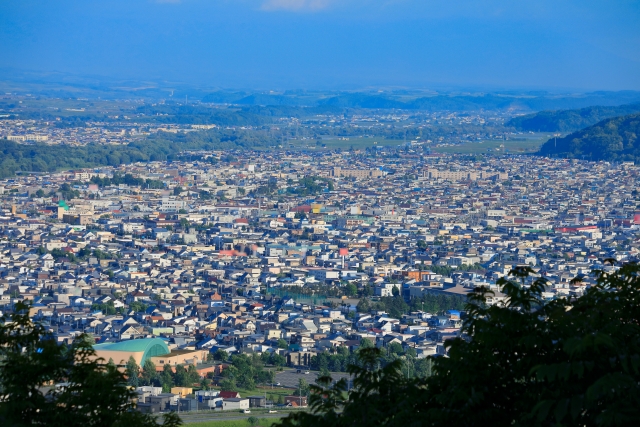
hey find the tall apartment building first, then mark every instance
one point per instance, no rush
(464, 175)
(356, 173)
(30, 137)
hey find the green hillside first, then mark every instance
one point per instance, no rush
(614, 139)
(569, 120)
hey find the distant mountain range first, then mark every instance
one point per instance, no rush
(570, 120)
(613, 139)
(66, 85)
(525, 101)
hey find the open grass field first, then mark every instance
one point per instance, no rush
(264, 422)
(494, 147)
(345, 143)
(236, 418)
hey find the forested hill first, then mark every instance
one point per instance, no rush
(163, 146)
(569, 120)
(614, 139)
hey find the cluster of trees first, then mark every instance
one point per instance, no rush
(572, 361)
(67, 192)
(176, 376)
(311, 186)
(107, 308)
(162, 146)
(396, 306)
(201, 114)
(245, 372)
(342, 358)
(47, 383)
(437, 303)
(82, 254)
(127, 179)
(614, 139)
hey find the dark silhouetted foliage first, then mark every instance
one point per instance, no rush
(530, 362)
(45, 383)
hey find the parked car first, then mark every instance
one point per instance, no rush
(246, 411)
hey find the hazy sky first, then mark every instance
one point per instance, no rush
(540, 44)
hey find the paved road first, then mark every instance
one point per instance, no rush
(289, 377)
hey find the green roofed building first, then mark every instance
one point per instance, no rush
(140, 350)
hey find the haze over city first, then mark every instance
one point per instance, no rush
(329, 44)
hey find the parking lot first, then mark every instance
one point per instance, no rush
(290, 377)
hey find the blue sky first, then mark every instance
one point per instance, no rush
(332, 44)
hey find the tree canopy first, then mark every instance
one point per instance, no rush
(613, 139)
(45, 383)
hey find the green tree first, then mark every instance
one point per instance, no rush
(132, 371)
(86, 391)
(192, 375)
(166, 378)
(149, 374)
(277, 359)
(302, 389)
(220, 355)
(137, 306)
(366, 343)
(228, 384)
(282, 344)
(350, 289)
(395, 348)
(181, 379)
(205, 383)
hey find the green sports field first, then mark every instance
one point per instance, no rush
(529, 144)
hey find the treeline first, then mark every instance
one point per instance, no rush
(569, 120)
(127, 179)
(613, 139)
(340, 360)
(311, 186)
(396, 306)
(199, 114)
(50, 158)
(246, 371)
(82, 255)
(178, 375)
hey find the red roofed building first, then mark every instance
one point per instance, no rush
(229, 395)
(576, 228)
(303, 208)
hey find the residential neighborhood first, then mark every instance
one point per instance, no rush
(293, 261)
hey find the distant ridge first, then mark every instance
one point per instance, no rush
(570, 120)
(417, 101)
(614, 139)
